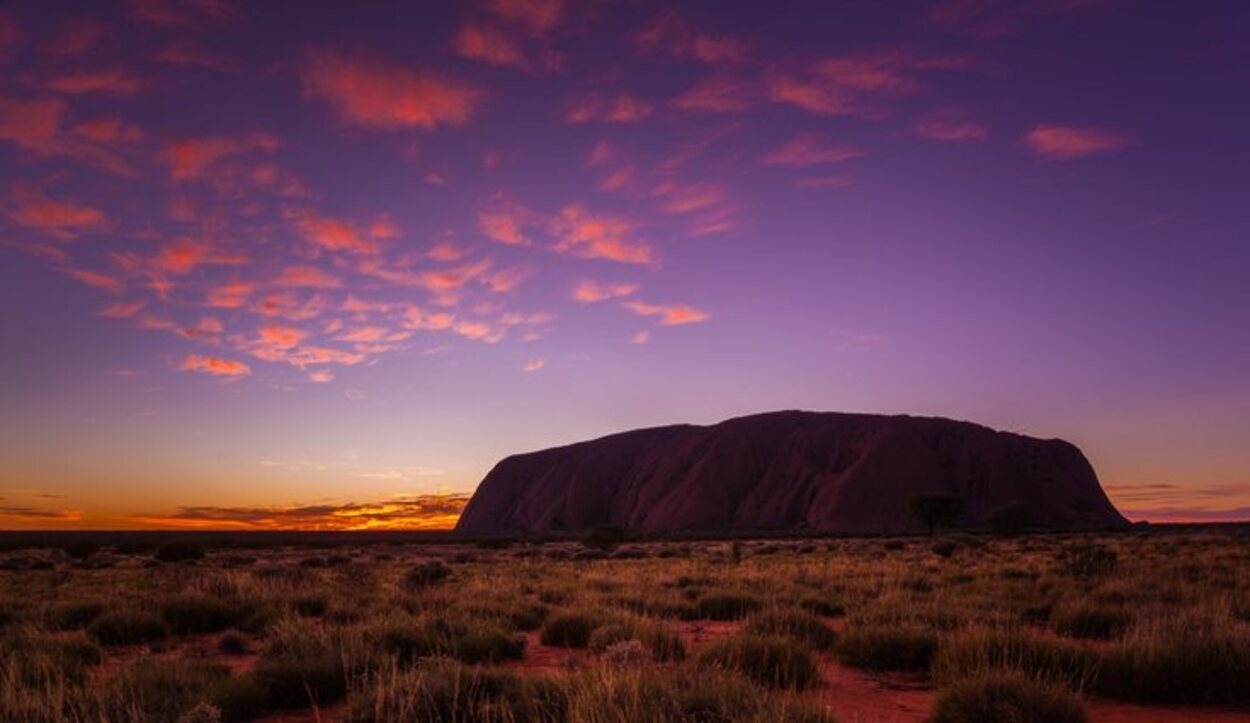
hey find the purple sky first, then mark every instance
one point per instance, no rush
(289, 264)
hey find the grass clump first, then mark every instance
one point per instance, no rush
(426, 574)
(569, 630)
(771, 662)
(887, 646)
(1190, 660)
(448, 691)
(803, 628)
(74, 615)
(658, 641)
(1091, 622)
(1006, 697)
(726, 606)
(976, 651)
(470, 641)
(126, 627)
(188, 614)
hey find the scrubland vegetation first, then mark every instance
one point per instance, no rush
(1021, 629)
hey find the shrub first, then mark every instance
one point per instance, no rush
(1087, 559)
(803, 628)
(569, 630)
(447, 691)
(81, 549)
(166, 690)
(202, 614)
(604, 537)
(658, 641)
(74, 615)
(944, 548)
(726, 606)
(822, 607)
(772, 662)
(475, 641)
(312, 606)
(1091, 622)
(975, 651)
(233, 644)
(887, 646)
(1000, 697)
(1185, 660)
(127, 628)
(301, 681)
(425, 574)
(180, 551)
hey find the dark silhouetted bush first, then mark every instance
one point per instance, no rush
(726, 606)
(772, 662)
(180, 551)
(569, 630)
(803, 628)
(1000, 697)
(127, 628)
(887, 646)
(425, 574)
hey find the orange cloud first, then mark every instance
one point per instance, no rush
(109, 283)
(620, 108)
(307, 277)
(188, 158)
(230, 296)
(60, 218)
(807, 150)
(109, 81)
(206, 328)
(215, 366)
(1069, 142)
(375, 95)
(668, 315)
(719, 95)
(321, 376)
(282, 337)
(588, 292)
(366, 334)
(533, 365)
(419, 512)
(599, 237)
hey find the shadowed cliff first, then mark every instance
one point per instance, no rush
(790, 470)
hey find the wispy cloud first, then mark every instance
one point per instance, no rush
(533, 365)
(1064, 143)
(620, 108)
(588, 291)
(418, 512)
(62, 218)
(215, 366)
(675, 315)
(807, 150)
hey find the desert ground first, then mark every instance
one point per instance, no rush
(1109, 628)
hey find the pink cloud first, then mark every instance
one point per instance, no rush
(536, 16)
(445, 252)
(389, 97)
(333, 235)
(987, 20)
(111, 284)
(122, 310)
(307, 277)
(951, 127)
(487, 44)
(807, 150)
(63, 218)
(640, 337)
(36, 126)
(587, 291)
(188, 158)
(76, 36)
(181, 13)
(504, 221)
(232, 295)
(673, 35)
(621, 108)
(321, 376)
(667, 315)
(108, 81)
(507, 280)
(582, 234)
(1069, 142)
(282, 337)
(533, 365)
(854, 85)
(719, 95)
(215, 366)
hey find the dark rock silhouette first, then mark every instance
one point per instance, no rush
(790, 470)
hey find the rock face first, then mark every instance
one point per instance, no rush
(789, 470)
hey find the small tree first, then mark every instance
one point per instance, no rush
(934, 510)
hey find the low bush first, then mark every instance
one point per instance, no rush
(887, 646)
(188, 614)
(1091, 622)
(973, 652)
(726, 606)
(569, 630)
(447, 691)
(180, 551)
(74, 615)
(425, 574)
(301, 681)
(124, 627)
(822, 606)
(803, 628)
(1186, 660)
(771, 662)
(1003, 697)
(659, 642)
(1087, 560)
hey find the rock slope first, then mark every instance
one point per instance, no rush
(829, 471)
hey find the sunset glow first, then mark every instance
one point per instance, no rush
(320, 266)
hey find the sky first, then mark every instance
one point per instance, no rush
(321, 265)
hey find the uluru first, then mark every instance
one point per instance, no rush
(791, 470)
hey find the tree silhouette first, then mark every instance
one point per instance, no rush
(934, 510)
